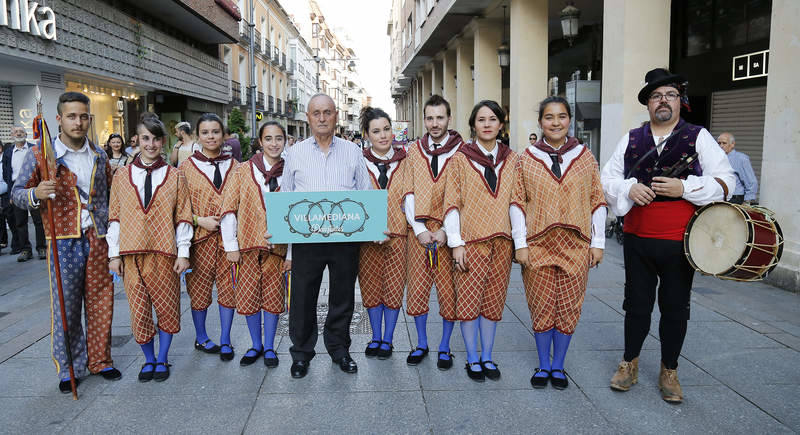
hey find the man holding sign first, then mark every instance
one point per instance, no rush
(323, 162)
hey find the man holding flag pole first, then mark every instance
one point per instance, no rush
(69, 179)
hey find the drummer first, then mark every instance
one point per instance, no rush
(657, 210)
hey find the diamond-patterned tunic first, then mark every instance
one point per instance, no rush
(558, 218)
(208, 261)
(382, 268)
(486, 230)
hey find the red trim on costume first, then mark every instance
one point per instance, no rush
(486, 184)
(147, 251)
(564, 175)
(483, 239)
(253, 176)
(430, 171)
(665, 220)
(155, 191)
(227, 213)
(602, 204)
(424, 216)
(559, 225)
(224, 178)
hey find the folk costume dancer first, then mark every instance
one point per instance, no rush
(207, 174)
(79, 194)
(565, 220)
(382, 267)
(485, 223)
(657, 210)
(429, 257)
(261, 265)
(149, 236)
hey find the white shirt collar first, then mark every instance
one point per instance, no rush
(62, 149)
(267, 166)
(444, 140)
(485, 151)
(387, 156)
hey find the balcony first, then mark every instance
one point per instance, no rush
(271, 105)
(236, 92)
(257, 38)
(243, 94)
(289, 110)
(266, 47)
(292, 67)
(276, 56)
(260, 101)
(244, 32)
(279, 110)
(283, 61)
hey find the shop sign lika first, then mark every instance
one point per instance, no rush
(28, 17)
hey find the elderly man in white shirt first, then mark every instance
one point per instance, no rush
(16, 156)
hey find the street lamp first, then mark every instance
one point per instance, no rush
(503, 52)
(569, 22)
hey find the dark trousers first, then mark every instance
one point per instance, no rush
(308, 263)
(21, 222)
(3, 220)
(651, 263)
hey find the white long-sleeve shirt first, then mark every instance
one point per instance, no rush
(184, 231)
(80, 163)
(452, 221)
(229, 225)
(599, 215)
(408, 202)
(697, 190)
(208, 168)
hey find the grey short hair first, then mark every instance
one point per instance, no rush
(321, 95)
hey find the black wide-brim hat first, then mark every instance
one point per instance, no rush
(656, 78)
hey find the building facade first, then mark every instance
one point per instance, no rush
(738, 56)
(123, 55)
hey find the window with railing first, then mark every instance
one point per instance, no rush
(279, 106)
(236, 91)
(271, 106)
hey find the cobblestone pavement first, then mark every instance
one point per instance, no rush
(739, 371)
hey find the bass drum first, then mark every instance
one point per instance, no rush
(735, 242)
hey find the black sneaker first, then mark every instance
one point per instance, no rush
(25, 256)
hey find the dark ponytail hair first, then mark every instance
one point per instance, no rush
(150, 122)
(552, 100)
(209, 117)
(495, 108)
(369, 114)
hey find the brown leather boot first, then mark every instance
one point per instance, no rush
(669, 385)
(627, 374)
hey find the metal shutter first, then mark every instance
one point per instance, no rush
(6, 114)
(741, 112)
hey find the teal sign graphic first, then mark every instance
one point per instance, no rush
(315, 217)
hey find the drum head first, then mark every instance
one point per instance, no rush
(718, 237)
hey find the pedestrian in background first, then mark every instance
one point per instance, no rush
(115, 149)
(186, 145)
(532, 139)
(5, 204)
(13, 158)
(746, 182)
(231, 145)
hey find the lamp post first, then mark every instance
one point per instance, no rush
(504, 52)
(569, 22)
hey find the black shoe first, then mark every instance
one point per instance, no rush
(540, 382)
(247, 360)
(66, 388)
(444, 364)
(161, 376)
(269, 361)
(475, 376)
(300, 369)
(15, 251)
(385, 353)
(346, 364)
(413, 360)
(25, 256)
(372, 352)
(147, 376)
(226, 356)
(493, 374)
(202, 347)
(558, 383)
(42, 253)
(111, 375)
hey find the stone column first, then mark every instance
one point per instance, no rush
(781, 139)
(528, 42)
(427, 78)
(631, 47)
(488, 77)
(449, 72)
(437, 77)
(464, 86)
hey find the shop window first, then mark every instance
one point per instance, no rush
(699, 27)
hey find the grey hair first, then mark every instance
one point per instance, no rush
(321, 95)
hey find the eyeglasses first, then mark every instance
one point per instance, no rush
(670, 96)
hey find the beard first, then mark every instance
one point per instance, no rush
(665, 115)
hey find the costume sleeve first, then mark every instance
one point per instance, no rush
(409, 209)
(452, 204)
(749, 179)
(518, 228)
(714, 162)
(183, 238)
(599, 228)
(289, 252)
(228, 227)
(22, 192)
(615, 186)
(112, 239)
